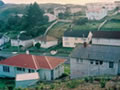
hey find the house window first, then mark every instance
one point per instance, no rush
(20, 69)
(91, 62)
(111, 64)
(79, 60)
(6, 69)
(101, 62)
(30, 70)
(97, 62)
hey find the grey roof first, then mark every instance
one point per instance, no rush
(76, 33)
(97, 52)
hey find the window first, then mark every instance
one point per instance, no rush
(6, 69)
(111, 64)
(101, 62)
(76, 38)
(30, 70)
(97, 63)
(91, 62)
(79, 60)
(20, 69)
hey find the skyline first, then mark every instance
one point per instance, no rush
(82, 2)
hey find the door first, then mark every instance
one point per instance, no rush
(119, 68)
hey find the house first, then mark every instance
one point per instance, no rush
(106, 38)
(108, 6)
(74, 37)
(59, 10)
(23, 41)
(27, 79)
(3, 39)
(96, 13)
(50, 16)
(49, 68)
(94, 60)
(46, 41)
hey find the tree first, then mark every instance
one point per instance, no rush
(61, 15)
(38, 45)
(81, 21)
(34, 16)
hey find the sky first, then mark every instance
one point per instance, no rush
(56, 1)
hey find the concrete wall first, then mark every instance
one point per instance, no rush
(24, 43)
(72, 41)
(48, 44)
(106, 41)
(25, 83)
(84, 68)
(96, 15)
(58, 71)
(13, 71)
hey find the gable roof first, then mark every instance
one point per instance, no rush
(33, 62)
(27, 76)
(106, 34)
(76, 33)
(97, 52)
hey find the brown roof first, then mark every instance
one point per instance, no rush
(46, 38)
(106, 34)
(33, 62)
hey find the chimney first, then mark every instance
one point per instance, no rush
(85, 44)
(27, 52)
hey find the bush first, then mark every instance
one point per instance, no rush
(102, 83)
(81, 21)
(86, 79)
(73, 84)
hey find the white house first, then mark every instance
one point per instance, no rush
(26, 79)
(51, 17)
(75, 10)
(96, 13)
(46, 42)
(108, 6)
(94, 60)
(59, 10)
(3, 39)
(49, 68)
(74, 37)
(106, 38)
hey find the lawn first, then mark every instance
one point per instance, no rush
(58, 30)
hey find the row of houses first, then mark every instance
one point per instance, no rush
(75, 37)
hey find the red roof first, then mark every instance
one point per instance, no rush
(33, 62)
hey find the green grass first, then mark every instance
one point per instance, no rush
(67, 69)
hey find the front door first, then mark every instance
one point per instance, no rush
(52, 74)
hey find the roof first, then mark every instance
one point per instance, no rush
(27, 76)
(106, 34)
(33, 62)
(46, 38)
(97, 52)
(76, 33)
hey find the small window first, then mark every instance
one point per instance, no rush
(20, 69)
(30, 70)
(91, 62)
(111, 64)
(6, 69)
(101, 62)
(97, 63)
(79, 60)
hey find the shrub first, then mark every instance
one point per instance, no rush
(52, 86)
(86, 79)
(91, 79)
(102, 83)
(73, 84)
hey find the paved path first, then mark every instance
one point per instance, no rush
(105, 21)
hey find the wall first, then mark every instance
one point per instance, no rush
(25, 83)
(58, 71)
(85, 68)
(48, 44)
(12, 73)
(106, 41)
(24, 43)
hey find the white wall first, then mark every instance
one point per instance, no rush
(115, 42)
(24, 43)
(13, 71)
(85, 68)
